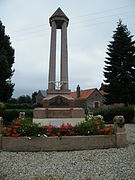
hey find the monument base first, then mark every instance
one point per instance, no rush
(58, 116)
(40, 113)
(58, 121)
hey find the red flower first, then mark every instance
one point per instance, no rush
(109, 133)
(105, 129)
(14, 130)
(15, 127)
(5, 129)
(17, 122)
(13, 135)
(9, 129)
(58, 134)
(9, 133)
(101, 130)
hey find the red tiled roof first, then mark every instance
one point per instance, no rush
(84, 94)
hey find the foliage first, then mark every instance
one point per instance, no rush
(26, 128)
(6, 63)
(34, 97)
(120, 68)
(109, 113)
(22, 102)
(24, 99)
(2, 105)
(63, 130)
(93, 126)
(19, 106)
(10, 114)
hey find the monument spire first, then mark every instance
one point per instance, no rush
(58, 21)
(59, 103)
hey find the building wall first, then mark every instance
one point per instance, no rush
(96, 100)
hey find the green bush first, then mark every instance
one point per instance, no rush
(109, 113)
(2, 106)
(25, 127)
(10, 114)
(86, 128)
(19, 106)
(93, 125)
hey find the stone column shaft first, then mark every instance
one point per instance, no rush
(52, 63)
(64, 57)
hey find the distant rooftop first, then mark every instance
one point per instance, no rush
(84, 94)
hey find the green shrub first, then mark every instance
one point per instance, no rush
(86, 128)
(10, 114)
(109, 113)
(93, 125)
(2, 106)
(19, 106)
(23, 128)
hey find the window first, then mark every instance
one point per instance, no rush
(96, 104)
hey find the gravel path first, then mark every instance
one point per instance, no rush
(108, 164)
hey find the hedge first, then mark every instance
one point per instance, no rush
(19, 106)
(10, 114)
(109, 113)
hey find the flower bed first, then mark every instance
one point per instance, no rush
(91, 126)
(92, 133)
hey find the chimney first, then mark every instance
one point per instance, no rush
(78, 91)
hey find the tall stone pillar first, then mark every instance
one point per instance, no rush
(52, 63)
(58, 21)
(64, 57)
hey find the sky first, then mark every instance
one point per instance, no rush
(91, 26)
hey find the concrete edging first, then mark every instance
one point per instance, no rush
(67, 143)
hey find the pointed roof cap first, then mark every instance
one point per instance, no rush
(58, 15)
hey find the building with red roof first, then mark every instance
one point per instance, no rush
(90, 98)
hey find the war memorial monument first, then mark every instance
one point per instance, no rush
(58, 103)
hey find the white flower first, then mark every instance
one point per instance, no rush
(44, 135)
(99, 116)
(88, 132)
(29, 137)
(38, 135)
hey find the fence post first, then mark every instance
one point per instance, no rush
(119, 130)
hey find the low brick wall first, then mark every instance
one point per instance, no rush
(67, 143)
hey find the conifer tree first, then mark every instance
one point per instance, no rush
(120, 67)
(6, 63)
